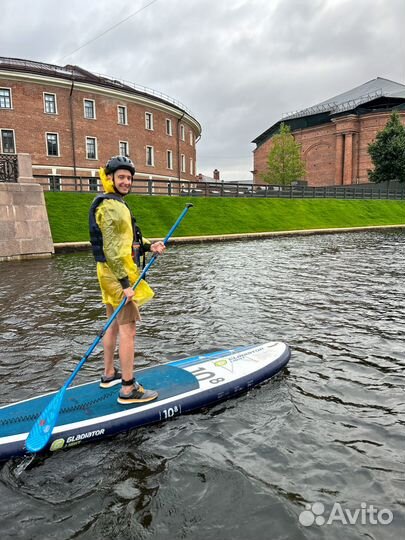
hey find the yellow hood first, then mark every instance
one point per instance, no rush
(108, 184)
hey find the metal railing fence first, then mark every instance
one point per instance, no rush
(8, 168)
(83, 184)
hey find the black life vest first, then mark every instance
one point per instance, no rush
(96, 237)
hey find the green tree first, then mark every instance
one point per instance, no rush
(284, 163)
(388, 152)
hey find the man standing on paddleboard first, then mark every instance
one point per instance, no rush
(118, 248)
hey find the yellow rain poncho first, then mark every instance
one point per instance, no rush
(115, 223)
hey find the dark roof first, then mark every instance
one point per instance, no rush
(377, 94)
(79, 74)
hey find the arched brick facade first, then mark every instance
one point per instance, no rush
(334, 144)
(84, 119)
(335, 153)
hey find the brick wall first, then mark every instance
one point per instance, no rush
(30, 124)
(335, 153)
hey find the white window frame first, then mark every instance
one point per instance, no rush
(94, 117)
(152, 156)
(10, 97)
(127, 148)
(124, 107)
(191, 138)
(191, 166)
(182, 132)
(149, 121)
(169, 159)
(55, 103)
(183, 163)
(1, 141)
(57, 143)
(169, 127)
(95, 148)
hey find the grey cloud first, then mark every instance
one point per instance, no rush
(238, 65)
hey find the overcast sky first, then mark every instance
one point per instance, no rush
(238, 65)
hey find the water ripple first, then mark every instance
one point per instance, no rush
(328, 429)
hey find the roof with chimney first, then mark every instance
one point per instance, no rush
(376, 95)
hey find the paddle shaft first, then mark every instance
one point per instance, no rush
(42, 429)
(123, 301)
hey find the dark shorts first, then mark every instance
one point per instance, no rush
(128, 314)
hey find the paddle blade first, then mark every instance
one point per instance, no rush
(41, 431)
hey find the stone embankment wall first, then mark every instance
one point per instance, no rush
(24, 226)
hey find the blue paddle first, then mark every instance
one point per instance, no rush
(41, 431)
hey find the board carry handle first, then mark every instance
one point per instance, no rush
(43, 427)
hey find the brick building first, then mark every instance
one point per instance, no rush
(334, 135)
(72, 121)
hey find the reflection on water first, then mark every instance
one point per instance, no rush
(330, 429)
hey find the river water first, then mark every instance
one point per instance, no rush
(324, 439)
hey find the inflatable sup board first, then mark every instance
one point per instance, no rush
(89, 413)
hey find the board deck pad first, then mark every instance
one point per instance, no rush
(91, 401)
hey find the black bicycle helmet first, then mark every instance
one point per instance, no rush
(119, 162)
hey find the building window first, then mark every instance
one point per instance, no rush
(149, 120)
(182, 133)
(122, 114)
(91, 148)
(89, 109)
(93, 184)
(123, 148)
(169, 159)
(50, 103)
(183, 162)
(54, 183)
(191, 167)
(169, 130)
(52, 144)
(7, 141)
(191, 138)
(5, 98)
(150, 158)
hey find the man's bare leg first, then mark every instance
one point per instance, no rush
(109, 345)
(127, 333)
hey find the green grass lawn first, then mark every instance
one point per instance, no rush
(68, 214)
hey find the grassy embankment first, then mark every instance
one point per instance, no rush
(69, 222)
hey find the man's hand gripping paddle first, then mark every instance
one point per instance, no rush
(41, 431)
